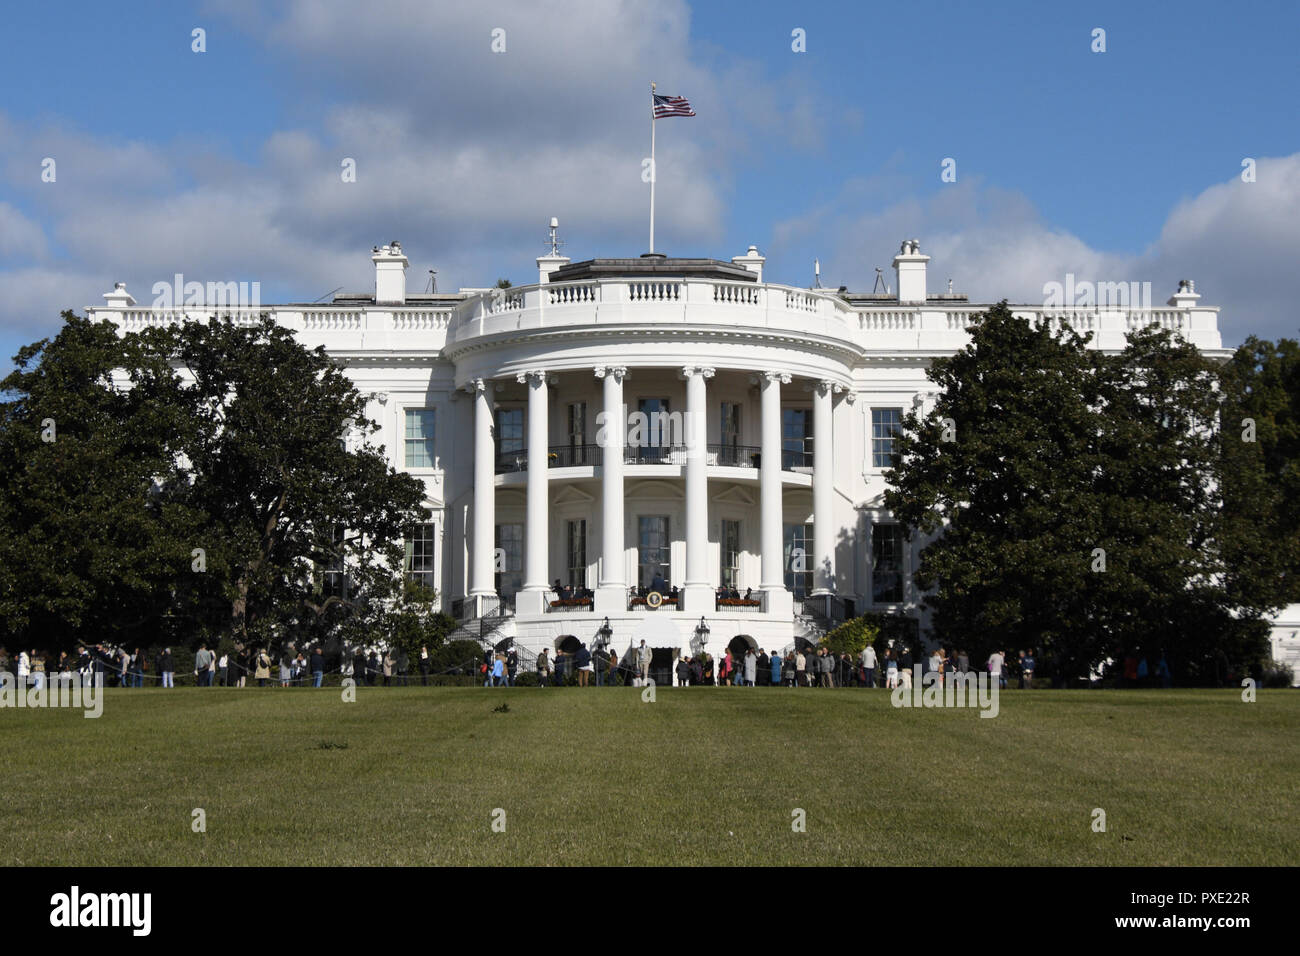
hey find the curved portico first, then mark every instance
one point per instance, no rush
(711, 408)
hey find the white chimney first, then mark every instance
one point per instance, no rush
(390, 274)
(1186, 297)
(752, 261)
(909, 267)
(548, 264)
(119, 298)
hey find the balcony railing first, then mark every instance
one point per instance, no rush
(576, 456)
(734, 456)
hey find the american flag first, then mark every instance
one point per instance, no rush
(671, 106)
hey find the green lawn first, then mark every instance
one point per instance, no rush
(702, 775)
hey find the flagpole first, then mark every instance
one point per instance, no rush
(654, 172)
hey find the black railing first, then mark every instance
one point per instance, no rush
(728, 456)
(734, 456)
(574, 456)
(508, 461)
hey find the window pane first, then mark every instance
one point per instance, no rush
(798, 559)
(419, 438)
(653, 550)
(885, 424)
(730, 555)
(420, 555)
(887, 563)
(510, 429)
(577, 550)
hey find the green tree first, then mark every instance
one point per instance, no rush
(89, 437)
(301, 525)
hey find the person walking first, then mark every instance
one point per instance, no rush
(317, 667)
(499, 671)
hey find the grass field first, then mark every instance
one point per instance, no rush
(701, 775)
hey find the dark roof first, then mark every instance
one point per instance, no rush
(652, 266)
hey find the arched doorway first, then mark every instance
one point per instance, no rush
(568, 643)
(740, 644)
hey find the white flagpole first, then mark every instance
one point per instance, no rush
(654, 172)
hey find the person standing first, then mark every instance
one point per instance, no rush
(891, 670)
(38, 670)
(613, 668)
(263, 670)
(583, 660)
(167, 667)
(223, 669)
(643, 662)
(24, 668)
(424, 666)
(203, 658)
(869, 665)
(387, 665)
(1027, 669)
(751, 668)
(774, 664)
(800, 668)
(995, 670)
(499, 671)
(317, 667)
(683, 671)
(512, 666)
(543, 668)
(963, 662)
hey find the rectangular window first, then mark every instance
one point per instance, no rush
(653, 550)
(653, 436)
(730, 452)
(510, 430)
(887, 554)
(419, 438)
(730, 548)
(796, 438)
(885, 424)
(419, 556)
(577, 551)
(509, 559)
(798, 559)
(578, 450)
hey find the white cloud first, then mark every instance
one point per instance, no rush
(1238, 241)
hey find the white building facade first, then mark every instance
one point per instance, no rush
(693, 454)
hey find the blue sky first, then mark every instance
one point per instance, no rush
(224, 165)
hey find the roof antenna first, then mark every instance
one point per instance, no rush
(330, 292)
(555, 243)
(433, 280)
(880, 281)
(817, 273)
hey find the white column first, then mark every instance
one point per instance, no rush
(698, 597)
(823, 490)
(611, 590)
(537, 540)
(772, 578)
(482, 582)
